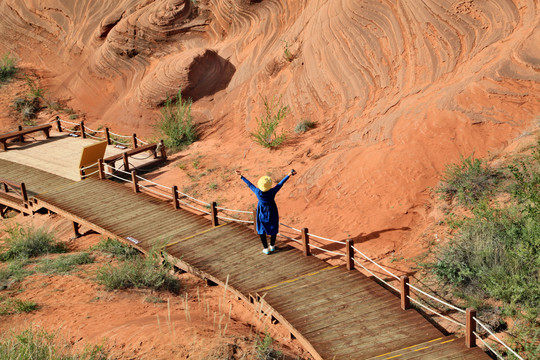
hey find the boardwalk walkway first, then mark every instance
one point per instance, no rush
(333, 312)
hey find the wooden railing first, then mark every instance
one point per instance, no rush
(17, 191)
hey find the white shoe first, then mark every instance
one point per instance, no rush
(272, 248)
(266, 251)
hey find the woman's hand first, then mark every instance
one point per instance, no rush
(238, 172)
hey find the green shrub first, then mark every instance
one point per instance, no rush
(116, 248)
(176, 123)
(7, 67)
(149, 272)
(264, 349)
(304, 126)
(65, 264)
(39, 344)
(469, 181)
(266, 132)
(10, 306)
(29, 242)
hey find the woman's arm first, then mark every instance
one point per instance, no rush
(249, 184)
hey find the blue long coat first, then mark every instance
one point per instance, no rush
(267, 211)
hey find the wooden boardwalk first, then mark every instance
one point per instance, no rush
(333, 312)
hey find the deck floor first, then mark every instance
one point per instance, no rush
(334, 313)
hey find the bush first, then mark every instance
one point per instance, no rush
(496, 252)
(11, 306)
(304, 126)
(116, 248)
(29, 242)
(264, 349)
(65, 264)
(7, 67)
(266, 133)
(39, 344)
(149, 272)
(469, 181)
(176, 123)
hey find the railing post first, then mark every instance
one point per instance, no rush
(175, 197)
(126, 162)
(21, 137)
(404, 289)
(107, 136)
(305, 242)
(83, 134)
(76, 231)
(163, 150)
(255, 220)
(24, 193)
(101, 170)
(349, 252)
(134, 140)
(470, 338)
(58, 124)
(135, 181)
(213, 212)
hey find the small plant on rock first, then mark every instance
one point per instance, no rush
(266, 133)
(304, 126)
(176, 123)
(7, 67)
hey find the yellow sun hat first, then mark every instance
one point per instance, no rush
(264, 183)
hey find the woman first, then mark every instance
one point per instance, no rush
(267, 211)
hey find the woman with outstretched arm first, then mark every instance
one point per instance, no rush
(267, 211)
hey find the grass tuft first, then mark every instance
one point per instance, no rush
(8, 67)
(116, 248)
(64, 264)
(266, 133)
(304, 126)
(176, 123)
(10, 306)
(38, 344)
(150, 272)
(27, 242)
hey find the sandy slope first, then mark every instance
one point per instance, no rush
(397, 88)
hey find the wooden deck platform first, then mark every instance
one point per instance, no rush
(333, 312)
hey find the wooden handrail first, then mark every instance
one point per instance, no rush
(19, 189)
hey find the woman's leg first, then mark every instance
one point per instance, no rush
(273, 240)
(263, 240)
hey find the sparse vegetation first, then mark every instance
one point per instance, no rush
(27, 242)
(304, 126)
(116, 248)
(38, 344)
(286, 52)
(264, 349)
(176, 125)
(15, 271)
(65, 264)
(468, 182)
(149, 272)
(8, 67)
(266, 132)
(494, 252)
(10, 306)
